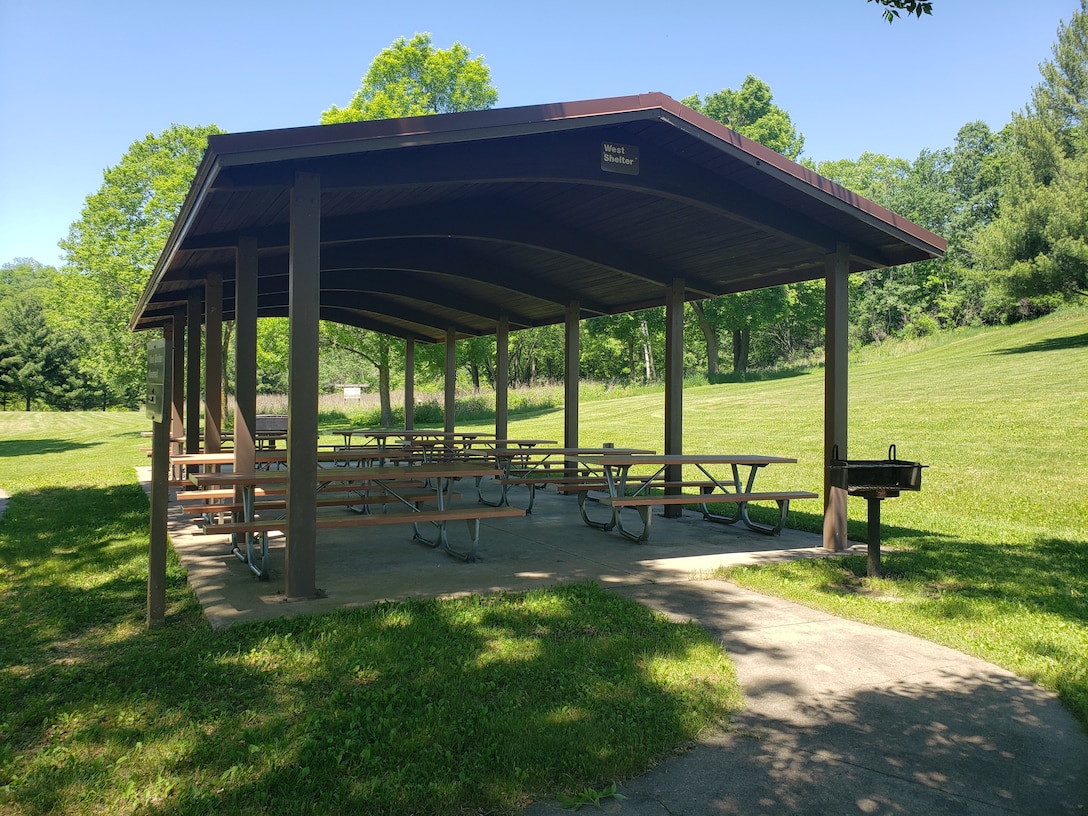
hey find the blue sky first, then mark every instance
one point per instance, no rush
(81, 81)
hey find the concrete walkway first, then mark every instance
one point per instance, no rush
(841, 717)
(844, 718)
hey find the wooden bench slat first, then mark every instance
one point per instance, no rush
(707, 498)
(332, 501)
(466, 513)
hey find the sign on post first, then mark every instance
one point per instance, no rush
(158, 392)
(157, 360)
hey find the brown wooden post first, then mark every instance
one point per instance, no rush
(674, 387)
(213, 362)
(193, 318)
(245, 355)
(836, 365)
(160, 495)
(572, 371)
(304, 311)
(450, 406)
(502, 377)
(177, 376)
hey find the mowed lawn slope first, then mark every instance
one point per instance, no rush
(991, 556)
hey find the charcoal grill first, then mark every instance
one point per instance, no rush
(875, 480)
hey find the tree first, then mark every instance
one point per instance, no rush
(35, 361)
(751, 112)
(1061, 99)
(410, 78)
(373, 348)
(413, 78)
(1039, 242)
(112, 249)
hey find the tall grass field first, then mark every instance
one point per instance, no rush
(481, 704)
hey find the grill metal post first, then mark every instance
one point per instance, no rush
(873, 538)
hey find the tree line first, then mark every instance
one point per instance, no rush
(1013, 204)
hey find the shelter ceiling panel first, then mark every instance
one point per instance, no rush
(517, 213)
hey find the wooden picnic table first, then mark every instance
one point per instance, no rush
(394, 480)
(532, 466)
(339, 457)
(629, 479)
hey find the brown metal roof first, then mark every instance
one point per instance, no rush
(452, 221)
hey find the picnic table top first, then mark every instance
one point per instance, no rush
(627, 458)
(436, 470)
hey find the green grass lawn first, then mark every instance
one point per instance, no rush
(478, 704)
(472, 705)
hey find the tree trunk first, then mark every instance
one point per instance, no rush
(710, 335)
(647, 352)
(384, 397)
(741, 340)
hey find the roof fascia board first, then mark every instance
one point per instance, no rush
(801, 178)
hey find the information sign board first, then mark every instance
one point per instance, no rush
(158, 357)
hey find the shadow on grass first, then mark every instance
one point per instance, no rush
(1048, 575)
(1051, 344)
(31, 447)
(757, 375)
(396, 708)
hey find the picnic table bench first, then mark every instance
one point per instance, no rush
(633, 490)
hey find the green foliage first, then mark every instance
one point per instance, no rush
(1042, 237)
(893, 7)
(413, 78)
(1038, 246)
(41, 365)
(273, 343)
(590, 796)
(111, 250)
(751, 112)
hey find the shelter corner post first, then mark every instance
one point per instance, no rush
(836, 365)
(303, 314)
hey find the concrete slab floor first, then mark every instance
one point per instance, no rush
(360, 566)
